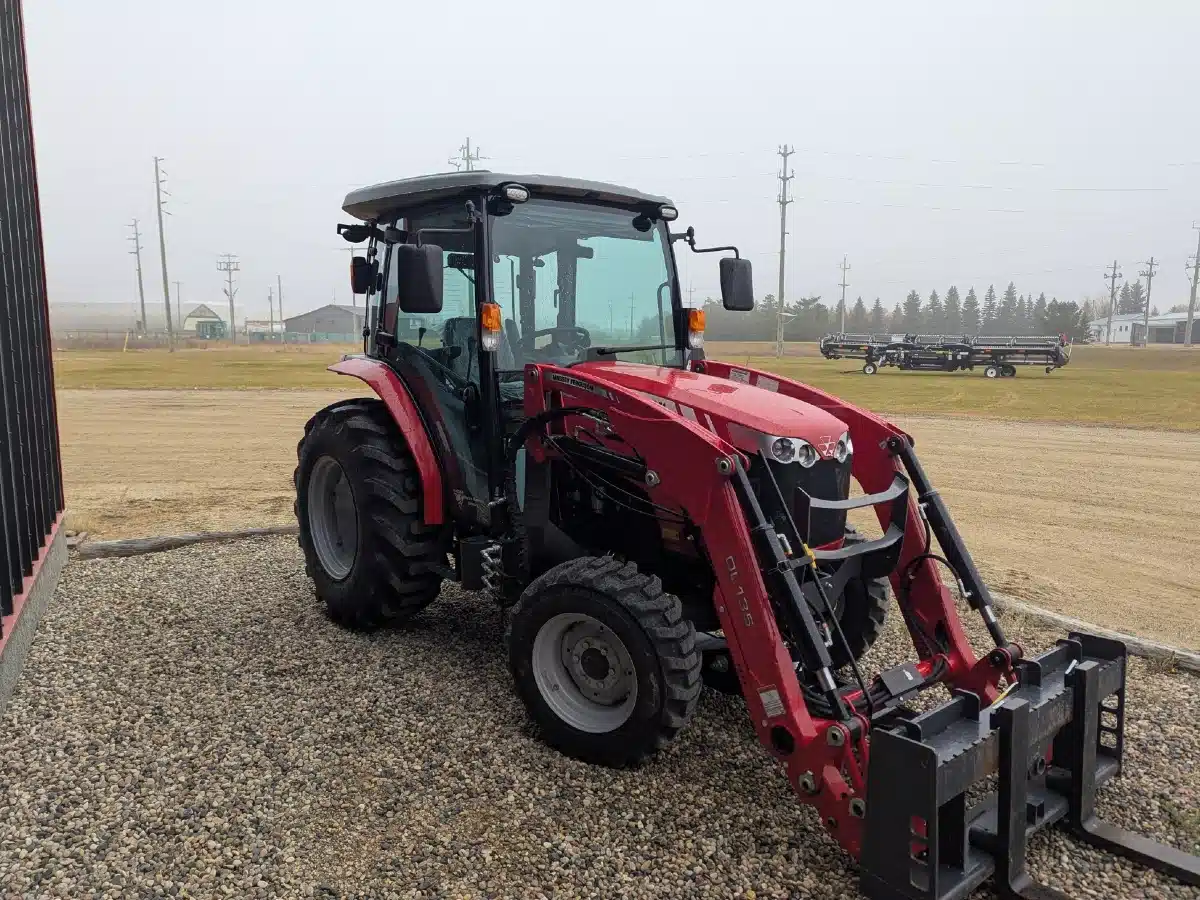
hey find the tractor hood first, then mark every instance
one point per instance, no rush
(722, 405)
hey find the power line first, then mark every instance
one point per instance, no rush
(159, 190)
(228, 263)
(1112, 299)
(1148, 274)
(465, 159)
(909, 158)
(784, 177)
(137, 252)
(845, 267)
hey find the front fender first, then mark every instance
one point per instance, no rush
(398, 399)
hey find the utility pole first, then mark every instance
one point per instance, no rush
(178, 308)
(1112, 299)
(279, 293)
(228, 263)
(1148, 274)
(784, 177)
(465, 159)
(162, 249)
(137, 252)
(271, 313)
(1187, 331)
(845, 269)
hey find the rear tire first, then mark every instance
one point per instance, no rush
(368, 551)
(1008, 371)
(870, 369)
(631, 688)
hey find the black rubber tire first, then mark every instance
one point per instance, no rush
(1008, 371)
(389, 580)
(991, 372)
(870, 369)
(649, 621)
(863, 613)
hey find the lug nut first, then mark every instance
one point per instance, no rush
(858, 808)
(808, 783)
(835, 736)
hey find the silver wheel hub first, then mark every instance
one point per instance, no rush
(584, 672)
(332, 518)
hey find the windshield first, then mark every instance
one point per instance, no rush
(569, 276)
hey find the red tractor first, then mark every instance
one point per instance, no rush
(549, 431)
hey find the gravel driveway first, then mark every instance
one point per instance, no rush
(189, 724)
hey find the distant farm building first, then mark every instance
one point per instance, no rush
(204, 323)
(1130, 328)
(332, 322)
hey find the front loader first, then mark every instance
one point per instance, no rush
(548, 431)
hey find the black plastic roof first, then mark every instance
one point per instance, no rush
(397, 196)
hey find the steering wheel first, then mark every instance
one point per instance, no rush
(568, 340)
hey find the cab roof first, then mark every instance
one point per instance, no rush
(397, 196)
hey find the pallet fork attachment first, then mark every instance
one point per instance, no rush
(1051, 741)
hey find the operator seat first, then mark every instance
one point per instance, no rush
(460, 331)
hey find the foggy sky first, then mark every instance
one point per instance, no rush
(937, 143)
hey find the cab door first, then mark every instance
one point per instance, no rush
(438, 358)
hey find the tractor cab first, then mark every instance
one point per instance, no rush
(507, 270)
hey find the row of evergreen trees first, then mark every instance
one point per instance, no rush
(807, 318)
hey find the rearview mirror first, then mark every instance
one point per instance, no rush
(418, 277)
(737, 284)
(362, 274)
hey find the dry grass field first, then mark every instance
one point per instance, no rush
(1089, 521)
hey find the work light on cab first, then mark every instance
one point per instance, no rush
(515, 193)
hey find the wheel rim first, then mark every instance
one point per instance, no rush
(332, 518)
(584, 673)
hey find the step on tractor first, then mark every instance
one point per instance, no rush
(547, 431)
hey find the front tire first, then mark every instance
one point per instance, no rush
(991, 372)
(870, 369)
(603, 660)
(862, 613)
(359, 507)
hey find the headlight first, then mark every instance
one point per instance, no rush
(789, 450)
(845, 447)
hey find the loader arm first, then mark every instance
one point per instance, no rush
(881, 451)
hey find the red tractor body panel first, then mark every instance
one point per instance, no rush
(395, 395)
(717, 403)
